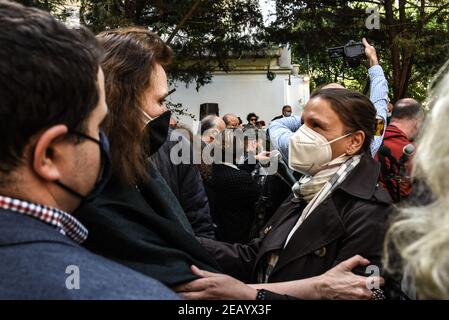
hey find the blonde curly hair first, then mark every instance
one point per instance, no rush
(420, 234)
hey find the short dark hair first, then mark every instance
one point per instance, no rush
(251, 115)
(48, 76)
(407, 108)
(354, 109)
(285, 107)
(130, 57)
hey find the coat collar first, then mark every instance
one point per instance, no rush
(362, 181)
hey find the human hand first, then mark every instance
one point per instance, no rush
(263, 156)
(340, 283)
(370, 53)
(215, 286)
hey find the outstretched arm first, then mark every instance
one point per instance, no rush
(337, 283)
(378, 91)
(280, 132)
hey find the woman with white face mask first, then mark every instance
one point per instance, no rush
(336, 211)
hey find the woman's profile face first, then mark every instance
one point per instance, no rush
(320, 117)
(153, 100)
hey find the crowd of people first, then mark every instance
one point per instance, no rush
(338, 202)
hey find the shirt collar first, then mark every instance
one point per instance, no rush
(61, 220)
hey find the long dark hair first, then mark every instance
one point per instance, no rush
(130, 57)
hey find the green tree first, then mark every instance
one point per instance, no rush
(412, 42)
(203, 33)
(56, 7)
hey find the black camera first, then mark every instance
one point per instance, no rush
(352, 52)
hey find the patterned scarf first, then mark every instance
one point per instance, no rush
(307, 187)
(347, 164)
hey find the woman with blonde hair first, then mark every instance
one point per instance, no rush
(420, 234)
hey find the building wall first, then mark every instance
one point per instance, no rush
(241, 93)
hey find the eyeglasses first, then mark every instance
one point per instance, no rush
(85, 136)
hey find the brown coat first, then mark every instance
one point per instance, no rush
(351, 221)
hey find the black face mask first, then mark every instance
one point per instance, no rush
(156, 131)
(105, 169)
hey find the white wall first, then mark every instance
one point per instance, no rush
(244, 93)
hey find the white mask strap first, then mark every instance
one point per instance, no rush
(149, 118)
(339, 138)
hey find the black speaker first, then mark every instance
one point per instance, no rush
(207, 109)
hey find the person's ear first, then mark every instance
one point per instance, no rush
(45, 152)
(355, 142)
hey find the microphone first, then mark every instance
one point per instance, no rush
(386, 152)
(407, 152)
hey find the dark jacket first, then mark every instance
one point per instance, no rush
(273, 189)
(185, 182)
(145, 230)
(34, 258)
(351, 221)
(235, 193)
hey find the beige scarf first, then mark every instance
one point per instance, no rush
(336, 172)
(307, 187)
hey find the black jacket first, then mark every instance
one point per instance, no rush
(146, 231)
(235, 193)
(351, 221)
(185, 182)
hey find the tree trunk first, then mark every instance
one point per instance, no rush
(395, 54)
(130, 10)
(406, 72)
(406, 54)
(184, 20)
(139, 8)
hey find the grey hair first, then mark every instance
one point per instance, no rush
(420, 234)
(209, 122)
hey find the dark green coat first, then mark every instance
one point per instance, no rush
(145, 230)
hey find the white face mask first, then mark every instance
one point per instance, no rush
(309, 151)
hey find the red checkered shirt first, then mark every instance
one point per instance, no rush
(62, 221)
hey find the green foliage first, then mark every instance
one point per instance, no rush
(421, 34)
(56, 7)
(215, 31)
(179, 109)
(412, 43)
